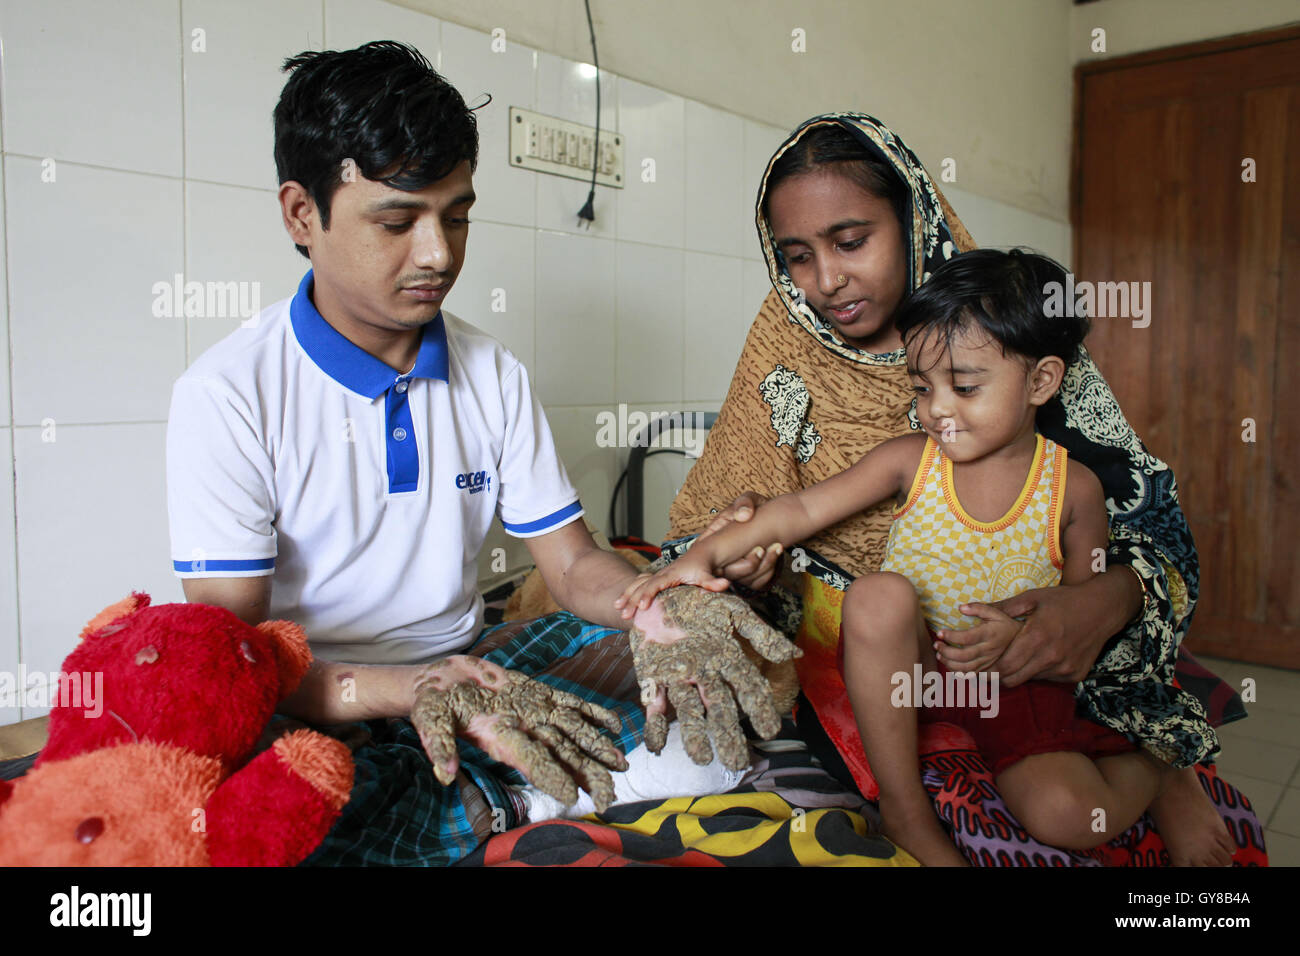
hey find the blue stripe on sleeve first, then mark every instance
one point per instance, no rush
(568, 511)
(202, 565)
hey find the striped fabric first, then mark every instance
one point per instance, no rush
(398, 813)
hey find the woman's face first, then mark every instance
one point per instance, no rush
(844, 248)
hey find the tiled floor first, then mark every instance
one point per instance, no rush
(1261, 754)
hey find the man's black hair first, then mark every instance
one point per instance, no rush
(1003, 293)
(384, 107)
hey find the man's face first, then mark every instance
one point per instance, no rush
(390, 257)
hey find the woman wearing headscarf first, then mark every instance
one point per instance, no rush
(822, 379)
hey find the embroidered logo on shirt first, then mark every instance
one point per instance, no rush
(474, 481)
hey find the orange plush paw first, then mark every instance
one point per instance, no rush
(322, 761)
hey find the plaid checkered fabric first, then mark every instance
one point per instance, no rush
(399, 815)
(952, 558)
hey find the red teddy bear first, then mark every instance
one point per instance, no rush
(157, 772)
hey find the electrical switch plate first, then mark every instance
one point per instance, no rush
(546, 144)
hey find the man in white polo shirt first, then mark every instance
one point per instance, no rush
(363, 494)
(339, 463)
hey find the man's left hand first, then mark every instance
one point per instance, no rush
(686, 653)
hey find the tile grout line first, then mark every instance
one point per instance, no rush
(1286, 787)
(13, 452)
(185, 186)
(1293, 781)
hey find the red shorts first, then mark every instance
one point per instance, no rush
(1036, 717)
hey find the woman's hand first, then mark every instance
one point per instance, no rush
(757, 568)
(1065, 627)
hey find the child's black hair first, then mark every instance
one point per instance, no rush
(1003, 293)
(384, 107)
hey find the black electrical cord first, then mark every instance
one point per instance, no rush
(588, 212)
(618, 486)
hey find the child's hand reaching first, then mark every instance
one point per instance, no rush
(690, 568)
(977, 648)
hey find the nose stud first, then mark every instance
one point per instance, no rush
(840, 278)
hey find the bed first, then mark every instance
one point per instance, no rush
(789, 811)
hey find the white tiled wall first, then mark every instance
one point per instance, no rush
(84, 252)
(8, 570)
(87, 82)
(232, 84)
(137, 144)
(234, 232)
(714, 204)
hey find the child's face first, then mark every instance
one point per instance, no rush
(972, 399)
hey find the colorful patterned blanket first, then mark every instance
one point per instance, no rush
(961, 785)
(786, 812)
(789, 812)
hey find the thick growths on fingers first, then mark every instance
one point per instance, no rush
(707, 673)
(546, 733)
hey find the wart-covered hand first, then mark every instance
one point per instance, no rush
(539, 730)
(686, 653)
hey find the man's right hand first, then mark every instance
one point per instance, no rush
(546, 734)
(757, 568)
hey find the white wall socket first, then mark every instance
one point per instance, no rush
(546, 144)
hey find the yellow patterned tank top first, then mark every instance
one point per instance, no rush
(952, 559)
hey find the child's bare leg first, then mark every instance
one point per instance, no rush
(1193, 830)
(884, 633)
(1056, 797)
(1067, 800)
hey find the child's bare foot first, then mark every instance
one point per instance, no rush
(919, 832)
(1189, 824)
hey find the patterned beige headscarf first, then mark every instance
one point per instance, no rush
(804, 405)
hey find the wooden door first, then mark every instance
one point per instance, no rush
(1167, 145)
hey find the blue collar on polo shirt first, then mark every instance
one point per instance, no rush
(357, 370)
(352, 366)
